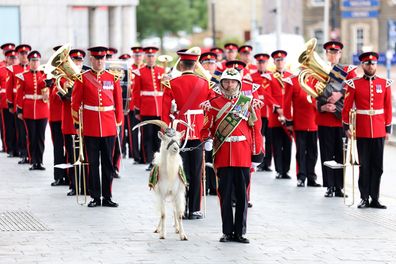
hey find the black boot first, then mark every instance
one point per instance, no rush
(329, 192)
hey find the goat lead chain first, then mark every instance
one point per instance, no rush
(193, 148)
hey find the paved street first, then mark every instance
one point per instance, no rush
(285, 225)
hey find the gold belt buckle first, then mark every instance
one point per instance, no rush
(101, 108)
(371, 111)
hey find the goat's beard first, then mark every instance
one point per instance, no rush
(232, 92)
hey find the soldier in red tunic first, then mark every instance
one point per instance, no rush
(300, 113)
(237, 142)
(330, 130)
(186, 93)
(280, 137)
(111, 53)
(98, 93)
(11, 90)
(6, 47)
(32, 107)
(244, 55)
(7, 118)
(219, 55)
(134, 136)
(371, 95)
(231, 52)
(147, 99)
(263, 78)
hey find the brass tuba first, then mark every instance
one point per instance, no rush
(313, 67)
(61, 65)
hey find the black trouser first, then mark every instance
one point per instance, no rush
(2, 132)
(102, 147)
(117, 150)
(192, 164)
(265, 132)
(330, 144)
(281, 146)
(10, 132)
(21, 136)
(36, 134)
(72, 156)
(126, 130)
(134, 138)
(58, 148)
(151, 142)
(371, 156)
(210, 174)
(306, 154)
(233, 179)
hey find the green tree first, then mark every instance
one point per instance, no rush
(161, 17)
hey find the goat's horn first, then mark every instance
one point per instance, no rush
(159, 123)
(177, 121)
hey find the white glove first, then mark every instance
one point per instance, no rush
(208, 145)
(255, 165)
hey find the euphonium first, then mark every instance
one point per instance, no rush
(61, 65)
(313, 67)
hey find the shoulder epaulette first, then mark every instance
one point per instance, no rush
(288, 80)
(212, 84)
(248, 78)
(167, 84)
(255, 87)
(351, 82)
(79, 76)
(20, 76)
(136, 72)
(389, 82)
(10, 68)
(216, 89)
(351, 68)
(266, 76)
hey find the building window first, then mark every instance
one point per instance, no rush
(11, 32)
(318, 34)
(317, 2)
(359, 40)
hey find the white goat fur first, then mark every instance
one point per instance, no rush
(169, 186)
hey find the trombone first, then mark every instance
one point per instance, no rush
(80, 162)
(350, 155)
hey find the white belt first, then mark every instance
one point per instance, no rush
(151, 93)
(235, 139)
(33, 96)
(99, 108)
(194, 112)
(261, 97)
(370, 112)
(2, 90)
(14, 90)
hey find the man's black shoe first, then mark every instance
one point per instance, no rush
(116, 174)
(149, 167)
(286, 176)
(313, 184)
(71, 193)
(195, 216)
(226, 238)
(24, 160)
(339, 193)
(65, 182)
(109, 203)
(241, 239)
(300, 183)
(364, 203)
(250, 205)
(57, 182)
(267, 168)
(33, 167)
(94, 203)
(376, 204)
(40, 167)
(329, 192)
(278, 176)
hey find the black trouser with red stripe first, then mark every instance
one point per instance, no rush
(133, 138)
(330, 144)
(2, 132)
(10, 132)
(210, 174)
(117, 150)
(125, 138)
(151, 142)
(36, 135)
(281, 146)
(233, 179)
(21, 136)
(192, 164)
(371, 156)
(58, 149)
(102, 147)
(306, 154)
(265, 132)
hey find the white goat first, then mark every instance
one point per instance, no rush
(169, 187)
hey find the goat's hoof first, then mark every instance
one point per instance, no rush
(184, 238)
(177, 231)
(156, 231)
(162, 237)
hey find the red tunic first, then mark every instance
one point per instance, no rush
(329, 119)
(133, 67)
(188, 91)
(55, 105)
(4, 76)
(232, 154)
(373, 101)
(100, 95)
(147, 90)
(299, 109)
(13, 83)
(29, 97)
(262, 79)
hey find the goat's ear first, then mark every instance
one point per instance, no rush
(161, 135)
(182, 133)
